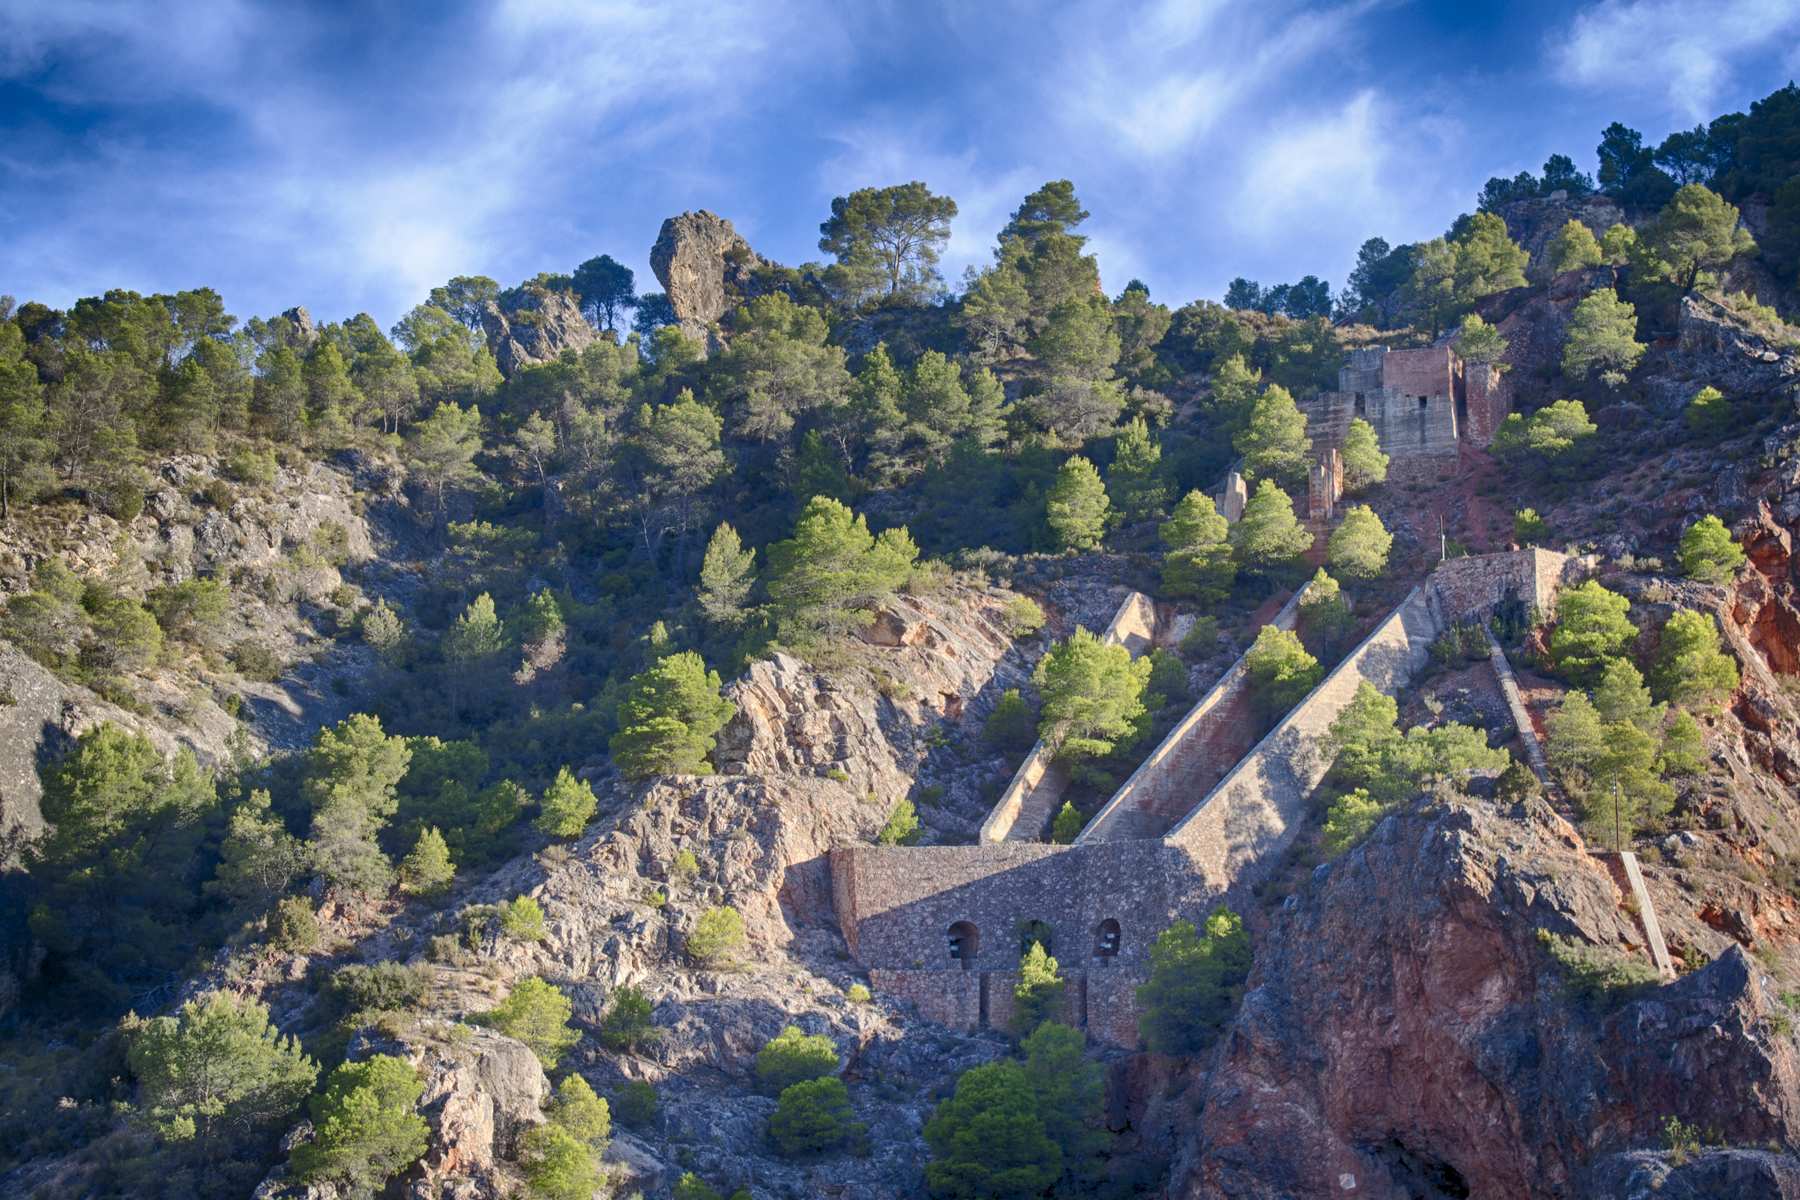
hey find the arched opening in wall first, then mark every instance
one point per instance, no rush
(1036, 931)
(965, 943)
(1106, 941)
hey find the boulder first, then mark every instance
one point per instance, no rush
(531, 325)
(695, 257)
(305, 332)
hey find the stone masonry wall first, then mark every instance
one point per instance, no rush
(896, 904)
(1030, 803)
(1101, 1001)
(1488, 399)
(1217, 732)
(1471, 587)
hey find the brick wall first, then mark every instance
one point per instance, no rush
(950, 998)
(1217, 732)
(1489, 399)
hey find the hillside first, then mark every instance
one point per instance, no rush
(409, 733)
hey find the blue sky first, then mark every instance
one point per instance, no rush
(349, 156)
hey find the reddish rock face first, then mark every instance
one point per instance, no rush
(1406, 1033)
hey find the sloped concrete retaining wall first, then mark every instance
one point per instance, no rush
(1256, 810)
(1217, 732)
(1024, 811)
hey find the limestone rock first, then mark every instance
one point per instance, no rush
(531, 325)
(696, 255)
(1533, 222)
(304, 333)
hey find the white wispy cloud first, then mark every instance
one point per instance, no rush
(1677, 49)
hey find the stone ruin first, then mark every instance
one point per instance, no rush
(1421, 403)
(1195, 826)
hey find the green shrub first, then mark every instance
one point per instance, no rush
(1594, 977)
(1022, 616)
(537, 1014)
(691, 1187)
(1039, 990)
(1202, 641)
(427, 871)
(383, 987)
(253, 660)
(813, 1117)
(717, 936)
(247, 466)
(1067, 825)
(293, 926)
(626, 1024)
(902, 828)
(856, 993)
(1012, 725)
(331, 542)
(635, 1102)
(523, 919)
(793, 1057)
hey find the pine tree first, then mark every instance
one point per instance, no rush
(1602, 338)
(1195, 983)
(1269, 535)
(1091, 695)
(217, 1073)
(1068, 823)
(365, 1129)
(1135, 481)
(350, 781)
(1077, 505)
(1690, 667)
(1067, 1089)
(1198, 562)
(668, 719)
(988, 1141)
(1572, 248)
(259, 858)
(1364, 463)
(1591, 627)
(1708, 553)
(537, 1014)
(427, 871)
(1280, 671)
(726, 576)
(1359, 546)
(833, 570)
(569, 803)
(1274, 442)
(1038, 991)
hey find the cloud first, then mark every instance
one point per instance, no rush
(1684, 52)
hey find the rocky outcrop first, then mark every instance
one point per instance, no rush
(1407, 1032)
(1533, 222)
(303, 332)
(531, 325)
(703, 265)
